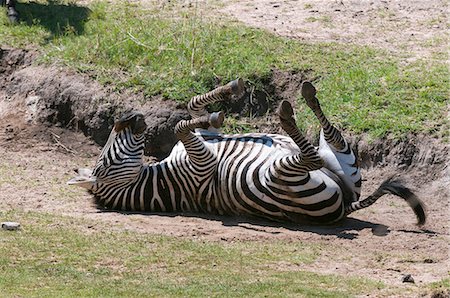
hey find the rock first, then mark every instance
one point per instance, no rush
(408, 278)
(380, 230)
(10, 226)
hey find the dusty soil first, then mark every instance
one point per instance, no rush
(411, 29)
(41, 141)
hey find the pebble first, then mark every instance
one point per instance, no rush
(408, 278)
(380, 230)
(10, 226)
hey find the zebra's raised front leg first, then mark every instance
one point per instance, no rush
(332, 135)
(198, 153)
(197, 104)
(308, 159)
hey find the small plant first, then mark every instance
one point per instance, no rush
(322, 19)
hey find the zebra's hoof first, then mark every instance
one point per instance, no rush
(216, 119)
(286, 112)
(237, 87)
(309, 93)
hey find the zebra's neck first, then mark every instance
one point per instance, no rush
(154, 189)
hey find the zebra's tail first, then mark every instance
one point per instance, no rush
(395, 187)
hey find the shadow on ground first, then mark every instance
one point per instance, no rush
(345, 229)
(57, 18)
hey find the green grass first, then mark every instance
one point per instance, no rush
(181, 55)
(443, 285)
(54, 256)
(325, 20)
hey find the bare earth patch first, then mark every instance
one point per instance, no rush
(412, 29)
(380, 243)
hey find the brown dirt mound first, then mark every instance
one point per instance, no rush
(52, 96)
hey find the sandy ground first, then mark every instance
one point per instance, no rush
(411, 29)
(381, 243)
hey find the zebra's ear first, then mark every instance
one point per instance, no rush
(133, 119)
(84, 179)
(125, 121)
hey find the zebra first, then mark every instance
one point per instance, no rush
(11, 11)
(282, 178)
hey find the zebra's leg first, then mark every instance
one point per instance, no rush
(332, 135)
(196, 106)
(198, 153)
(13, 15)
(308, 159)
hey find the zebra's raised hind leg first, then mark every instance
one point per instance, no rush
(335, 151)
(332, 135)
(308, 159)
(196, 106)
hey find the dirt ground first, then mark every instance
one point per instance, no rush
(411, 29)
(381, 243)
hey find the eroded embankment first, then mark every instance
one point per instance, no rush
(54, 96)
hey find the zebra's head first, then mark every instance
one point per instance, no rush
(121, 158)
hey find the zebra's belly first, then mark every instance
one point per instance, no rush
(247, 190)
(243, 186)
(343, 164)
(240, 183)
